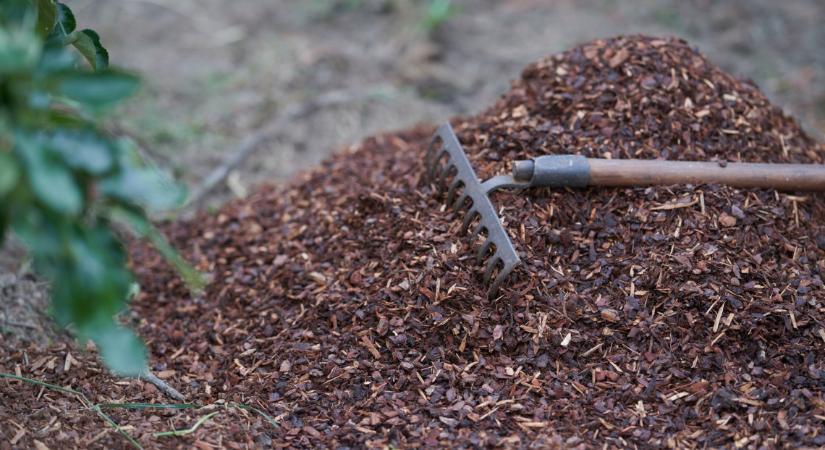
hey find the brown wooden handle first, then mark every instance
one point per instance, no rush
(639, 172)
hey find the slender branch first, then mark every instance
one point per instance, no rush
(162, 385)
(188, 430)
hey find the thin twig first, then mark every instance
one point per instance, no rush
(266, 416)
(253, 141)
(188, 430)
(162, 385)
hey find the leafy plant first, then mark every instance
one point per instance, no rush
(66, 185)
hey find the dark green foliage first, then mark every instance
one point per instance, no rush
(64, 183)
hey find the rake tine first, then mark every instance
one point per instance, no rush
(468, 218)
(459, 202)
(453, 187)
(502, 275)
(477, 230)
(442, 177)
(434, 163)
(431, 150)
(485, 247)
(490, 267)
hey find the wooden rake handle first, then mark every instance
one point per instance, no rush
(578, 171)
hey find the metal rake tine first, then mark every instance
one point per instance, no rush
(477, 230)
(485, 247)
(430, 154)
(428, 162)
(468, 218)
(436, 143)
(490, 267)
(434, 163)
(452, 190)
(442, 177)
(502, 275)
(459, 202)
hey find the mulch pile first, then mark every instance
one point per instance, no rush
(346, 307)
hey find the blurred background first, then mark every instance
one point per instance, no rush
(318, 75)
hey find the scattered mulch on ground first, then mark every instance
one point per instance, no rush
(345, 306)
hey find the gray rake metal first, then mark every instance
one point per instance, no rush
(463, 179)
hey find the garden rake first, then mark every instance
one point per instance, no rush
(450, 170)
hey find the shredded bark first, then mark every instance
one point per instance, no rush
(346, 306)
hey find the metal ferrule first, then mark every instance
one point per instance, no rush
(553, 171)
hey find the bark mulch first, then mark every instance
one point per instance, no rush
(346, 308)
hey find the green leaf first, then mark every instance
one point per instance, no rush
(99, 262)
(46, 16)
(65, 19)
(90, 281)
(9, 173)
(50, 180)
(16, 12)
(145, 187)
(56, 59)
(87, 42)
(4, 224)
(42, 235)
(19, 50)
(122, 351)
(84, 150)
(65, 119)
(98, 89)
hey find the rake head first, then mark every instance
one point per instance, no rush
(449, 169)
